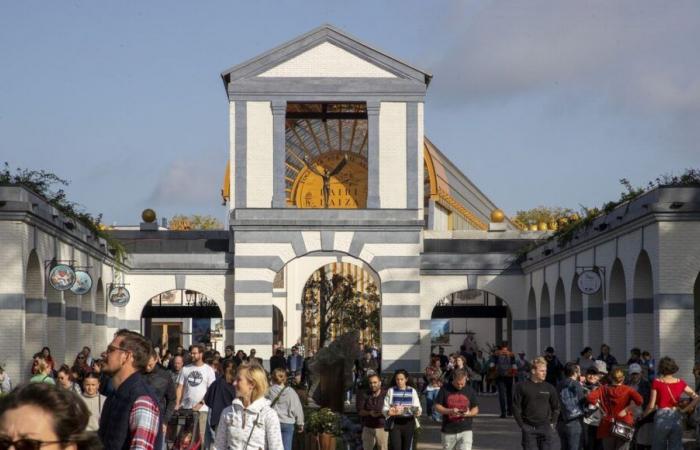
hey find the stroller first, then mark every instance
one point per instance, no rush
(182, 432)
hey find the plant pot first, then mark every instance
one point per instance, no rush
(325, 441)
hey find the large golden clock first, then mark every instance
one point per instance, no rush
(345, 185)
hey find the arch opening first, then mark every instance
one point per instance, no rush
(545, 319)
(559, 319)
(531, 323)
(34, 310)
(616, 311)
(339, 298)
(182, 317)
(576, 319)
(473, 318)
(643, 303)
(696, 308)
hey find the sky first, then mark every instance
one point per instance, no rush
(537, 102)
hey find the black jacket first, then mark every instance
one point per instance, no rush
(219, 395)
(162, 383)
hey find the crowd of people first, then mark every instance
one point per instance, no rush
(131, 396)
(590, 403)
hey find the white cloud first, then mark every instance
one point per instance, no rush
(189, 183)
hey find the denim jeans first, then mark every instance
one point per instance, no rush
(287, 435)
(570, 434)
(430, 404)
(668, 434)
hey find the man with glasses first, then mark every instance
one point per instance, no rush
(130, 416)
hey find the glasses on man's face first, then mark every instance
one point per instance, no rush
(111, 348)
(24, 444)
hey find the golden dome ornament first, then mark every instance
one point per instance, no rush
(148, 215)
(497, 216)
(542, 226)
(533, 227)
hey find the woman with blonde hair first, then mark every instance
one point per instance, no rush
(42, 371)
(250, 422)
(616, 401)
(287, 405)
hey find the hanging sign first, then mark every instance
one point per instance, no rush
(62, 277)
(119, 296)
(83, 283)
(589, 282)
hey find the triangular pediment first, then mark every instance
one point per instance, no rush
(327, 60)
(325, 52)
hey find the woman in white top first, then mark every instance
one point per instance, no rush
(250, 422)
(402, 407)
(93, 399)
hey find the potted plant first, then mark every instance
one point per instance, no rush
(324, 425)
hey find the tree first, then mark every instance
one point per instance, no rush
(182, 222)
(335, 305)
(539, 214)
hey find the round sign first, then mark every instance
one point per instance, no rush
(83, 283)
(62, 277)
(589, 282)
(119, 296)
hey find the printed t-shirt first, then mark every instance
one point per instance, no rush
(464, 399)
(196, 381)
(663, 396)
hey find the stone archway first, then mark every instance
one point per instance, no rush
(532, 327)
(696, 308)
(338, 298)
(576, 319)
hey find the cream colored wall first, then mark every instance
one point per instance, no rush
(232, 153)
(327, 60)
(259, 155)
(392, 155)
(421, 145)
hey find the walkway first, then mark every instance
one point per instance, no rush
(490, 431)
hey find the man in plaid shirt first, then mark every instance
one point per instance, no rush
(130, 417)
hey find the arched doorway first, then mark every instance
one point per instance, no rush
(560, 341)
(72, 315)
(643, 303)
(475, 318)
(545, 320)
(339, 298)
(696, 308)
(594, 320)
(616, 316)
(183, 317)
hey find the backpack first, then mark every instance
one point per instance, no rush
(570, 402)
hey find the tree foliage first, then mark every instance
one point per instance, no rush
(182, 222)
(539, 214)
(335, 305)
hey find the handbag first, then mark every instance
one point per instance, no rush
(618, 428)
(593, 416)
(388, 424)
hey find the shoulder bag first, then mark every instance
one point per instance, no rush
(617, 428)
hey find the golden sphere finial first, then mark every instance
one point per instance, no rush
(497, 216)
(148, 215)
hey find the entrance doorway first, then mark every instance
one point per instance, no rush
(182, 317)
(477, 319)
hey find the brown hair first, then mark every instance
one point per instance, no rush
(229, 370)
(460, 374)
(667, 366)
(69, 412)
(257, 377)
(279, 376)
(137, 345)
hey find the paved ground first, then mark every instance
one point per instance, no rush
(490, 431)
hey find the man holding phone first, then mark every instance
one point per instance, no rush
(458, 404)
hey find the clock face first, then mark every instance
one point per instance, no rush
(589, 282)
(347, 188)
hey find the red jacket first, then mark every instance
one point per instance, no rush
(613, 399)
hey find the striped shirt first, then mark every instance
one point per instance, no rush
(143, 424)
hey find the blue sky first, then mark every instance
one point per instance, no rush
(539, 103)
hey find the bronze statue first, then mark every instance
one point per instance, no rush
(326, 176)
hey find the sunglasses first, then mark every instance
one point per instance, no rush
(24, 444)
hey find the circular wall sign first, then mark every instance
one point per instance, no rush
(83, 283)
(119, 296)
(62, 277)
(589, 282)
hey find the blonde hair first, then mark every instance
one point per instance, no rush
(617, 376)
(41, 364)
(539, 361)
(255, 375)
(279, 376)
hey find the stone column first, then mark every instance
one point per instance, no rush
(279, 198)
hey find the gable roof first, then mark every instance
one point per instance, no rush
(315, 37)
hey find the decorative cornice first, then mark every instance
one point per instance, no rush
(457, 207)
